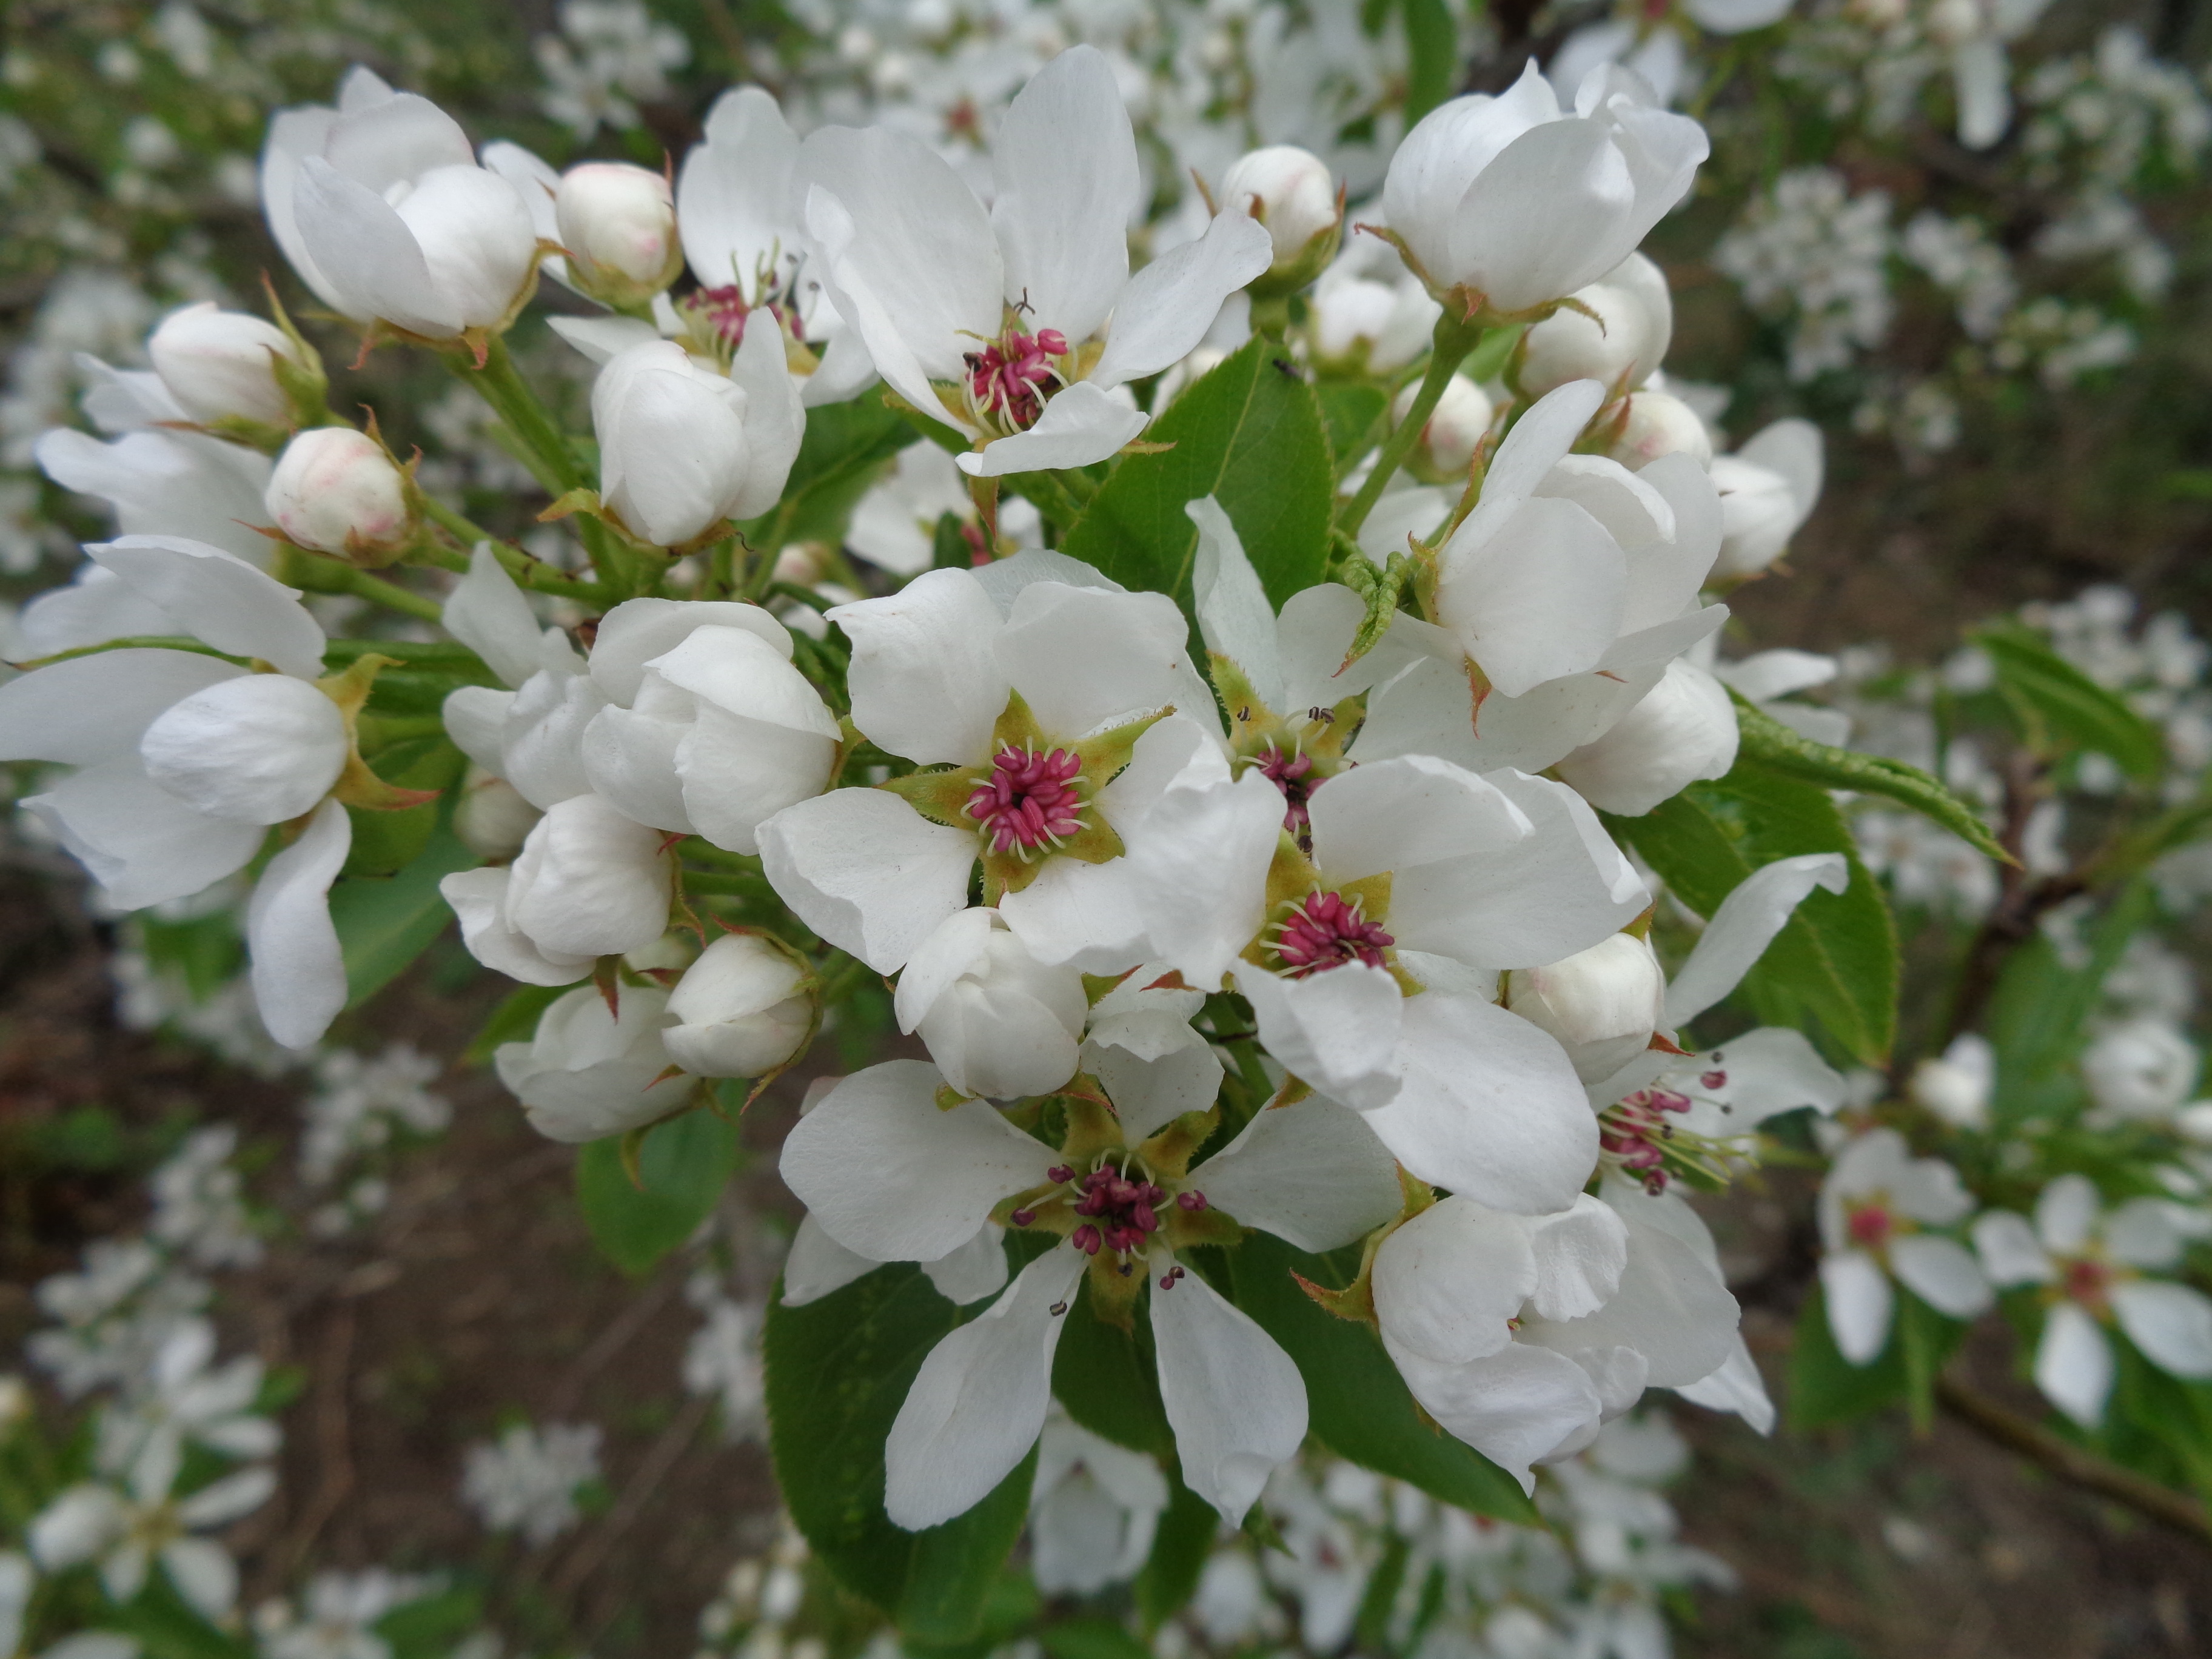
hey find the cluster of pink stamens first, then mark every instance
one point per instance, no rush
(1325, 932)
(1029, 801)
(1119, 1213)
(1292, 773)
(1870, 1225)
(1006, 376)
(725, 312)
(1633, 1130)
(2088, 1283)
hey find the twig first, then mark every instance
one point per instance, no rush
(2021, 903)
(2070, 1463)
(633, 1318)
(332, 1435)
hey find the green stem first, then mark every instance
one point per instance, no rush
(460, 524)
(1050, 495)
(378, 592)
(547, 452)
(1453, 341)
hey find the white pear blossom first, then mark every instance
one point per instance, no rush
(184, 761)
(1093, 1510)
(889, 1175)
(2139, 1070)
(2095, 1264)
(125, 1529)
(525, 1481)
(1956, 1085)
(985, 318)
(1875, 1210)
(1032, 680)
(186, 1398)
(1768, 489)
(1620, 346)
(380, 206)
(588, 1072)
(1603, 1004)
(1681, 730)
(1523, 203)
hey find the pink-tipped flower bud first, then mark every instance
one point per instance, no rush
(1620, 345)
(335, 490)
(1659, 424)
(1602, 1003)
(1455, 426)
(1292, 192)
(618, 224)
(224, 365)
(740, 1010)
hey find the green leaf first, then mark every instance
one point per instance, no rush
(1249, 434)
(2052, 701)
(1106, 1379)
(1093, 1639)
(1825, 1388)
(1358, 1405)
(386, 842)
(385, 923)
(167, 1627)
(1836, 958)
(681, 1169)
(845, 445)
(1776, 747)
(1349, 410)
(429, 1628)
(1181, 1544)
(837, 1371)
(1432, 54)
(2038, 1014)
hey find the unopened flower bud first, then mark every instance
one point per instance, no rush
(491, 818)
(224, 365)
(1602, 1003)
(682, 447)
(2139, 1070)
(741, 1009)
(997, 1020)
(1455, 427)
(1956, 1086)
(1620, 346)
(1659, 424)
(1292, 193)
(1767, 489)
(335, 490)
(1684, 729)
(588, 1073)
(618, 224)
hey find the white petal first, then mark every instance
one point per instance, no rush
(77, 1527)
(299, 973)
(1337, 1030)
(1082, 424)
(734, 203)
(602, 339)
(1793, 448)
(894, 1178)
(979, 1400)
(541, 738)
(1153, 1068)
(629, 760)
(478, 897)
(926, 679)
(866, 871)
(365, 251)
(1513, 1406)
(1539, 440)
(1394, 814)
(2074, 1364)
(1580, 1255)
(1735, 1387)
(1671, 1308)
(589, 882)
(1235, 1399)
(226, 1500)
(1079, 916)
(818, 1264)
(1941, 1273)
(1233, 612)
(976, 1270)
(2170, 1323)
(1065, 165)
(775, 420)
(2009, 1251)
(1082, 659)
(1755, 910)
(90, 709)
(204, 1573)
(141, 843)
(1541, 597)
(260, 748)
(219, 598)
(2065, 1212)
(1201, 859)
(2144, 1232)
(639, 631)
(487, 613)
(1312, 1173)
(1489, 1106)
(1167, 308)
(1551, 215)
(1447, 1282)
(96, 605)
(1860, 1302)
(1982, 77)
(1768, 1071)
